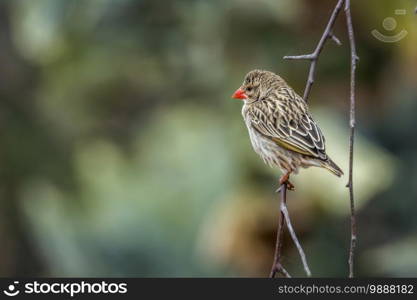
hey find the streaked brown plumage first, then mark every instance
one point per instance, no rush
(280, 126)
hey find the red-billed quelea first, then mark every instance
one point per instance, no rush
(280, 126)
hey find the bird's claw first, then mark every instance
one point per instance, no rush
(290, 186)
(285, 180)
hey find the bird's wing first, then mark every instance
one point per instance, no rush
(288, 123)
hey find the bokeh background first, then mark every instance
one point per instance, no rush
(122, 153)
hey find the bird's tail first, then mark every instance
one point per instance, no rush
(332, 167)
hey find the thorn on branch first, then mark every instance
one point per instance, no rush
(335, 39)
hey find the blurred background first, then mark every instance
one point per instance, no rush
(122, 153)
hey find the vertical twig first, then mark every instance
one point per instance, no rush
(352, 121)
(313, 57)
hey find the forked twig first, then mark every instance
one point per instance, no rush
(285, 219)
(352, 123)
(313, 57)
(284, 210)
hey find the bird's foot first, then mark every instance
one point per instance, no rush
(285, 179)
(290, 186)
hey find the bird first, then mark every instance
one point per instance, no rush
(281, 129)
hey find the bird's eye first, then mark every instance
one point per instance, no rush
(248, 88)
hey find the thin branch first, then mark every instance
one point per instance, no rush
(277, 266)
(352, 121)
(285, 219)
(284, 211)
(313, 57)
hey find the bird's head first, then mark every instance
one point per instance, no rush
(258, 84)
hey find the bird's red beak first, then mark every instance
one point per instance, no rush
(239, 94)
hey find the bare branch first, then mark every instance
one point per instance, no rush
(313, 57)
(285, 219)
(352, 122)
(284, 210)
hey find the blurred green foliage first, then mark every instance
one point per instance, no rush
(122, 153)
